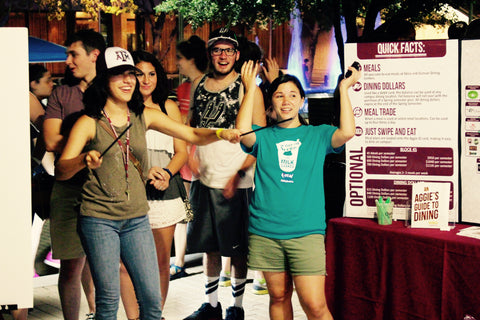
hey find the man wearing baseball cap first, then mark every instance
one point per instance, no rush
(220, 194)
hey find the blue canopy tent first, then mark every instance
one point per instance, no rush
(43, 51)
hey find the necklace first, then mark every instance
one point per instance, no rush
(125, 150)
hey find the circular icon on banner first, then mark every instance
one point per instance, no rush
(357, 86)
(357, 112)
(472, 94)
(358, 131)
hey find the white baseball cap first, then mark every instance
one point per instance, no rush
(115, 60)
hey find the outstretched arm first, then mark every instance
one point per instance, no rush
(157, 120)
(346, 130)
(245, 114)
(254, 112)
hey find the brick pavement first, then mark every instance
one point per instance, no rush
(185, 296)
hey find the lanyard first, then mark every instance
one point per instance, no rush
(126, 150)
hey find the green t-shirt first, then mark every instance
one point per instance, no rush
(288, 200)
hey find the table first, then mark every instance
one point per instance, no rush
(394, 272)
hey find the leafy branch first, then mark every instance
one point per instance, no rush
(56, 8)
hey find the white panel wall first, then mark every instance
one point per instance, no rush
(16, 270)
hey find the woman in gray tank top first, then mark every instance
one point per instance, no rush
(113, 221)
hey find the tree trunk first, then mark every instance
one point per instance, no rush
(139, 32)
(171, 39)
(157, 27)
(371, 17)
(350, 13)
(337, 24)
(310, 32)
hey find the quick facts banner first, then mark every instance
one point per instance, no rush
(406, 114)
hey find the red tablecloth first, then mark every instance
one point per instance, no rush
(395, 272)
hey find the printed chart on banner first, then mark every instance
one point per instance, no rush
(406, 115)
(472, 120)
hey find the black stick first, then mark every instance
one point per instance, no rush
(273, 124)
(114, 141)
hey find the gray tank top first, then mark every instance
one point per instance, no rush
(104, 194)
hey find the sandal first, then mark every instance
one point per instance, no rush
(177, 272)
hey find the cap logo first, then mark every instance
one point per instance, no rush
(122, 55)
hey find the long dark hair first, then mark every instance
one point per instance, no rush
(95, 97)
(249, 50)
(195, 48)
(36, 72)
(284, 78)
(160, 93)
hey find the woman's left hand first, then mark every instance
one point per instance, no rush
(159, 178)
(350, 81)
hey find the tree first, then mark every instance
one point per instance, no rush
(144, 13)
(56, 9)
(417, 12)
(7, 6)
(246, 12)
(142, 8)
(317, 15)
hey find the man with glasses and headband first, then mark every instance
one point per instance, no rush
(220, 193)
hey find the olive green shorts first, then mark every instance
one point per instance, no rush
(298, 256)
(65, 206)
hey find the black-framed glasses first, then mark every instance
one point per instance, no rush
(218, 51)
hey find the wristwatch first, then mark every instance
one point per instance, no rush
(241, 173)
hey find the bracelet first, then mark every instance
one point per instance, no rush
(169, 172)
(218, 132)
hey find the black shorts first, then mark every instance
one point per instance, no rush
(219, 224)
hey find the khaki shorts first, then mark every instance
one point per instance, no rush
(298, 256)
(65, 205)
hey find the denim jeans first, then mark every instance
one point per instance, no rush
(105, 243)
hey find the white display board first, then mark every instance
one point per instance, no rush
(406, 114)
(16, 267)
(470, 130)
